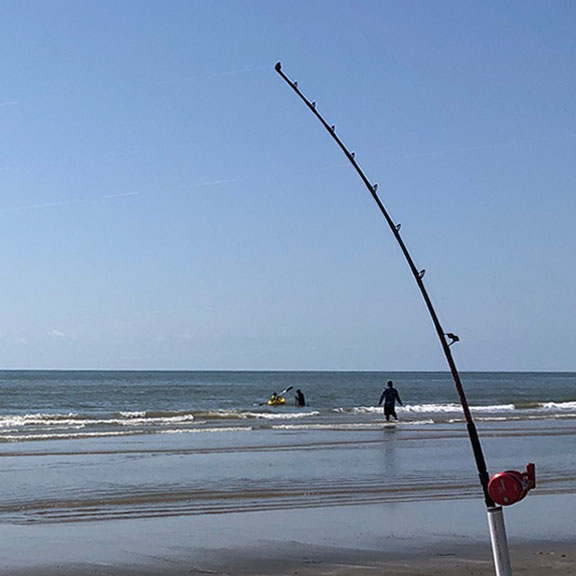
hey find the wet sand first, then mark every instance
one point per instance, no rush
(528, 559)
(414, 539)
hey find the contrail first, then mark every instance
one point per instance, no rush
(211, 183)
(120, 195)
(39, 205)
(202, 76)
(58, 203)
(490, 146)
(230, 72)
(462, 149)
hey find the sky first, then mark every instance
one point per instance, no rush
(168, 203)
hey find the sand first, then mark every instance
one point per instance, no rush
(528, 559)
(413, 539)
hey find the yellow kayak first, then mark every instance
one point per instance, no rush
(276, 401)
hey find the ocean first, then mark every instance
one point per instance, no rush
(81, 446)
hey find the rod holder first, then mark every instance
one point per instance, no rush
(499, 542)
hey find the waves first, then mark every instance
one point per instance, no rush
(86, 447)
(40, 406)
(77, 425)
(438, 411)
(39, 426)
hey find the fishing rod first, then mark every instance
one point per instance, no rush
(504, 488)
(418, 276)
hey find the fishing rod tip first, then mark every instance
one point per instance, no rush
(278, 66)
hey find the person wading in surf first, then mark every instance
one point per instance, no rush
(299, 399)
(390, 396)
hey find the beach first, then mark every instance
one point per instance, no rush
(412, 539)
(557, 560)
(191, 473)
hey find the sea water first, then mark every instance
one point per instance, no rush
(80, 446)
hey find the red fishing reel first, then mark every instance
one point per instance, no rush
(509, 487)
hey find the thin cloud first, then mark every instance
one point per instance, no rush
(236, 72)
(211, 183)
(59, 203)
(488, 146)
(208, 75)
(39, 206)
(121, 195)
(56, 334)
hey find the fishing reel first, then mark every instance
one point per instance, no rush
(509, 487)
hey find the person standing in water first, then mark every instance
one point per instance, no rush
(299, 399)
(390, 396)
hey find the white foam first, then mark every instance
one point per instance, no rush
(64, 436)
(205, 430)
(349, 426)
(563, 406)
(495, 408)
(448, 408)
(356, 426)
(78, 421)
(431, 408)
(280, 416)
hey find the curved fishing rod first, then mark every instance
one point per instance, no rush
(418, 276)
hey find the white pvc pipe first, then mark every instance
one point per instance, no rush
(499, 542)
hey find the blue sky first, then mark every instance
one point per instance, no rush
(168, 203)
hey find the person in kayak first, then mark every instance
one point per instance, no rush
(299, 399)
(390, 396)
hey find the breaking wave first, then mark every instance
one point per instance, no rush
(70, 425)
